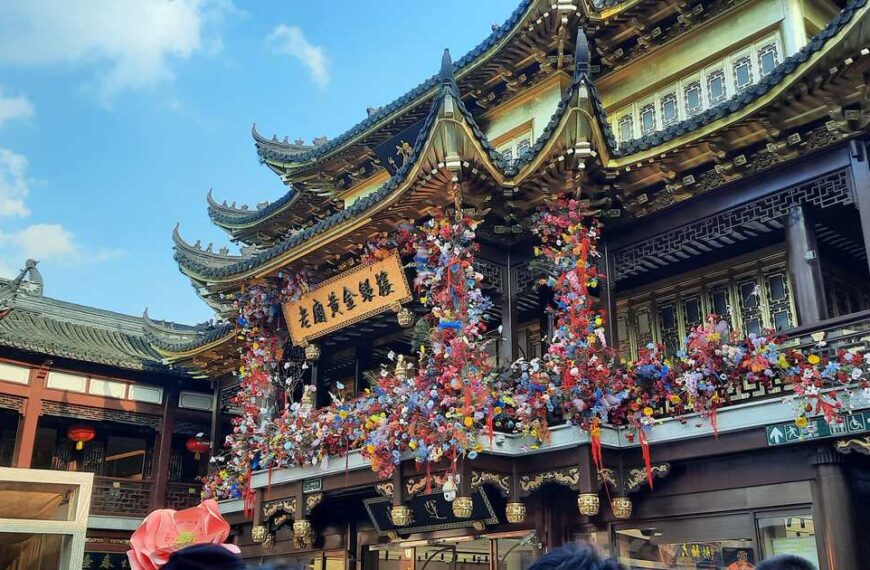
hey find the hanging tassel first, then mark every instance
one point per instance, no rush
(714, 422)
(595, 446)
(489, 427)
(644, 447)
(248, 496)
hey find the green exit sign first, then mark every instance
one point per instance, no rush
(817, 428)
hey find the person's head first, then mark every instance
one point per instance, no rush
(574, 557)
(204, 557)
(785, 562)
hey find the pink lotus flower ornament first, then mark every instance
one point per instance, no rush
(164, 531)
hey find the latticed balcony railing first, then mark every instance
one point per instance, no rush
(182, 495)
(114, 496)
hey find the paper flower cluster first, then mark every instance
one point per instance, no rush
(434, 409)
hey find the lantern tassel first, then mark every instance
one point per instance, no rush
(644, 447)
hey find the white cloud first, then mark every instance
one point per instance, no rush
(131, 44)
(12, 108)
(13, 184)
(41, 241)
(290, 40)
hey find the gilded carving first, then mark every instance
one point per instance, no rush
(637, 477)
(415, 485)
(607, 476)
(285, 505)
(385, 489)
(500, 480)
(311, 501)
(569, 477)
(859, 445)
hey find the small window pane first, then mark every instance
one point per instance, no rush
(742, 73)
(719, 302)
(647, 119)
(669, 109)
(693, 98)
(716, 86)
(777, 287)
(507, 154)
(795, 534)
(523, 146)
(782, 321)
(767, 59)
(749, 294)
(753, 326)
(692, 308)
(626, 128)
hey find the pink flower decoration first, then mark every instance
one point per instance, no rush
(164, 531)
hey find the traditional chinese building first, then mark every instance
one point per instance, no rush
(88, 390)
(722, 148)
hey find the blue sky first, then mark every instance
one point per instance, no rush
(117, 117)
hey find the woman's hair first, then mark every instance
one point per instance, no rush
(579, 556)
(204, 557)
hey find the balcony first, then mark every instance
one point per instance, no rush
(182, 495)
(115, 496)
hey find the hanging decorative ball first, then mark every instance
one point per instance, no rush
(258, 533)
(301, 528)
(588, 503)
(312, 352)
(81, 435)
(621, 507)
(269, 542)
(197, 446)
(515, 512)
(463, 507)
(401, 515)
(405, 317)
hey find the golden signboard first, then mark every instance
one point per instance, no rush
(353, 296)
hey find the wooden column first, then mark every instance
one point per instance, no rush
(160, 473)
(861, 187)
(804, 267)
(833, 512)
(508, 347)
(214, 432)
(363, 362)
(25, 440)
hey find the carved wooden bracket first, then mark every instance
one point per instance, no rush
(568, 477)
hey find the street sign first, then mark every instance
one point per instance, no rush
(817, 428)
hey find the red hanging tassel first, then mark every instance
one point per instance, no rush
(248, 496)
(644, 447)
(489, 427)
(595, 447)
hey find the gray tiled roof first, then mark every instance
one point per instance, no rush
(43, 325)
(272, 150)
(227, 216)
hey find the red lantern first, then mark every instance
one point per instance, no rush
(197, 446)
(81, 435)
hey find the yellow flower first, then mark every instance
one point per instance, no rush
(801, 422)
(342, 414)
(813, 359)
(647, 411)
(675, 399)
(469, 421)
(497, 410)
(370, 448)
(782, 361)
(714, 336)
(256, 345)
(412, 444)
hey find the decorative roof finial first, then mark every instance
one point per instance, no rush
(446, 68)
(581, 55)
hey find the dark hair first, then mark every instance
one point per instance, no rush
(204, 557)
(786, 562)
(579, 556)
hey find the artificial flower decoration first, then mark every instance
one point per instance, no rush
(165, 531)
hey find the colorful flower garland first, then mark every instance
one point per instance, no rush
(435, 409)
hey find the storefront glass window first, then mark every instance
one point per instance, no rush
(720, 543)
(516, 553)
(788, 534)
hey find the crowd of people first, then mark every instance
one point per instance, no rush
(569, 557)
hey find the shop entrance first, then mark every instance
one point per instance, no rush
(511, 551)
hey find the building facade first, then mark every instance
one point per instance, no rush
(86, 390)
(656, 178)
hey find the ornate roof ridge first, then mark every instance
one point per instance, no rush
(195, 252)
(738, 101)
(278, 152)
(231, 217)
(201, 267)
